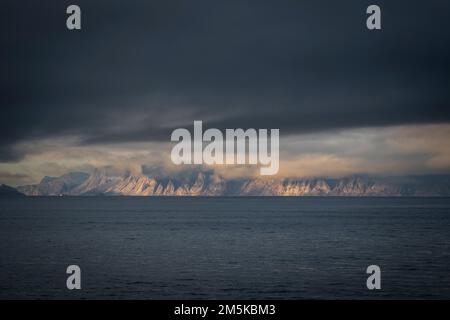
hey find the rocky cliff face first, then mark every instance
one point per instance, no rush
(55, 186)
(211, 184)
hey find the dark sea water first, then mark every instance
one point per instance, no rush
(225, 248)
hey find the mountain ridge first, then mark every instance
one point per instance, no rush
(7, 191)
(209, 183)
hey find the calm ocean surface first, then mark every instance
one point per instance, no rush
(225, 248)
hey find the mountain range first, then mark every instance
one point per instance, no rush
(209, 183)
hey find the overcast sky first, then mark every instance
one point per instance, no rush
(139, 69)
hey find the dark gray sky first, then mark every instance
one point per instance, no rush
(139, 69)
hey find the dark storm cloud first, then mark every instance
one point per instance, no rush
(137, 69)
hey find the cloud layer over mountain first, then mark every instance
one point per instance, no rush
(139, 69)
